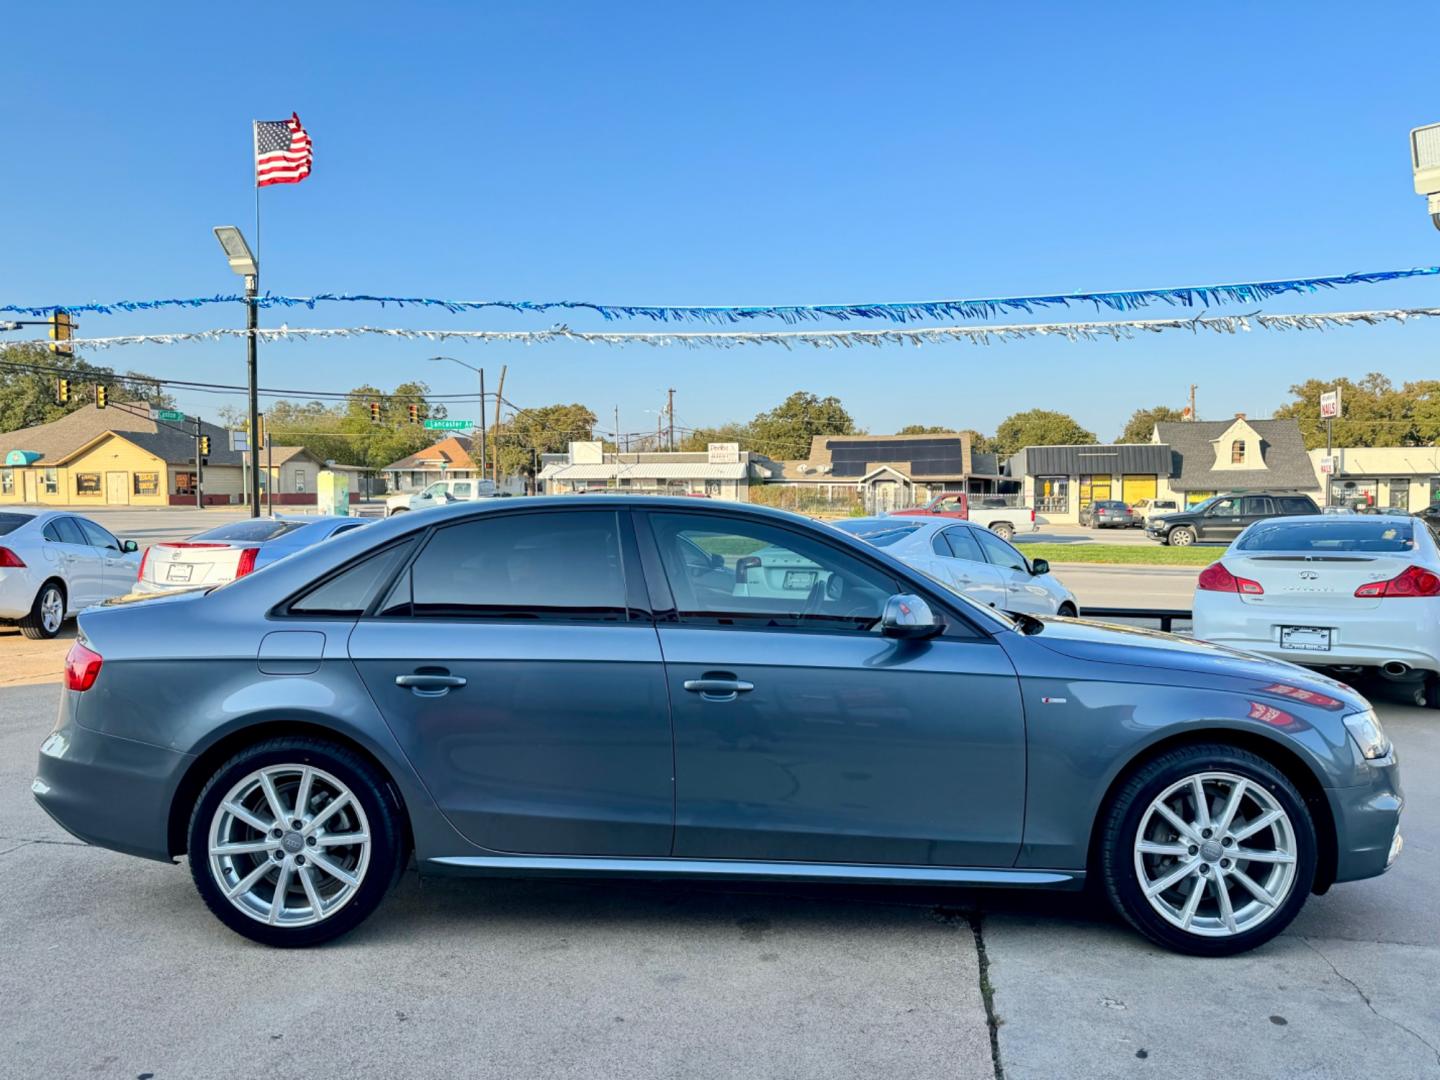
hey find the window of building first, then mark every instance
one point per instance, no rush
(1400, 494)
(1435, 491)
(87, 483)
(300, 480)
(184, 483)
(766, 577)
(548, 566)
(50, 480)
(147, 483)
(7, 481)
(1094, 489)
(1237, 452)
(1052, 494)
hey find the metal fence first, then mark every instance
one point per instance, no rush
(835, 502)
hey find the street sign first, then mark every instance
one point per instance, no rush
(1330, 404)
(1327, 466)
(169, 414)
(239, 440)
(449, 425)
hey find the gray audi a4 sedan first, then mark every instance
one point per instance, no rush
(620, 686)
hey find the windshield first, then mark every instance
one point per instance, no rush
(1202, 506)
(1344, 534)
(879, 533)
(249, 532)
(11, 522)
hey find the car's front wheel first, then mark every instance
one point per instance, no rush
(1180, 536)
(1208, 850)
(295, 841)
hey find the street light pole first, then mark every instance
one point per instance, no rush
(481, 423)
(252, 322)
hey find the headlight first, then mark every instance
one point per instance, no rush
(1369, 736)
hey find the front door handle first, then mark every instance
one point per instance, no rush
(430, 683)
(718, 688)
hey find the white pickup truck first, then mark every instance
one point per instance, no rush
(439, 493)
(987, 510)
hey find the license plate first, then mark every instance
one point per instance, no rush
(178, 572)
(799, 579)
(1305, 638)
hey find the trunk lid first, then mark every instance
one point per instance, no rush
(188, 564)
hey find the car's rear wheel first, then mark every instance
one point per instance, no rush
(295, 841)
(1208, 850)
(47, 614)
(1003, 530)
(1180, 536)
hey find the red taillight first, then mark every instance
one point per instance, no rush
(140, 576)
(82, 665)
(247, 561)
(1217, 578)
(10, 559)
(1032, 515)
(1412, 581)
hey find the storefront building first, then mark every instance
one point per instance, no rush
(1401, 478)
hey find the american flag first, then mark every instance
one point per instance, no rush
(282, 151)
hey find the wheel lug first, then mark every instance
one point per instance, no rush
(1194, 850)
(279, 855)
(299, 860)
(1228, 841)
(310, 840)
(1207, 833)
(275, 834)
(1224, 864)
(297, 824)
(1204, 868)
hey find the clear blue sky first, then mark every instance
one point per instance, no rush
(746, 153)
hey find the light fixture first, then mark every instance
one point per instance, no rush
(232, 241)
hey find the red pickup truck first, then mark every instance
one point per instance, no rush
(1003, 521)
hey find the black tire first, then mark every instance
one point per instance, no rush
(1067, 610)
(1181, 536)
(383, 812)
(1122, 818)
(1003, 530)
(32, 625)
(1429, 695)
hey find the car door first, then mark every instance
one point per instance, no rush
(803, 734)
(1256, 508)
(518, 668)
(117, 569)
(82, 565)
(966, 568)
(1023, 591)
(1222, 519)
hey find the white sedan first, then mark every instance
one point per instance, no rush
(970, 559)
(1346, 591)
(53, 564)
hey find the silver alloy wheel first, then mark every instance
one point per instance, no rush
(52, 610)
(1215, 854)
(1181, 537)
(289, 845)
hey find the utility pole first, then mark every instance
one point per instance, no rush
(199, 467)
(617, 429)
(482, 422)
(252, 323)
(1193, 416)
(670, 416)
(499, 397)
(270, 474)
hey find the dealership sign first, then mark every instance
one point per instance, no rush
(1327, 466)
(1330, 404)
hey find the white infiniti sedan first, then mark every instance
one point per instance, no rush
(54, 563)
(970, 559)
(1350, 591)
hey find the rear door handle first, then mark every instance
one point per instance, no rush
(430, 684)
(713, 688)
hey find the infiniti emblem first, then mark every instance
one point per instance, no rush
(1309, 575)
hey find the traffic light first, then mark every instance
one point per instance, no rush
(102, 395)
(374, 412)
(204, 446)
(414, 413)
(62, 391)
(62, 330)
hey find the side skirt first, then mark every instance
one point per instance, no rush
(582, 866)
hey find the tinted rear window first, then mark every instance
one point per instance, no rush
(879, 533)
(1345, 534)
(11, 522)
(249, 532)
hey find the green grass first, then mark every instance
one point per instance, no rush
(1124, 554)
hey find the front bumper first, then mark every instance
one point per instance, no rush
(1367, 824)
(108, 791)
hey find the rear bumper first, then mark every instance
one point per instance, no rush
(111, 792)
(17, 593)
(1406, 634)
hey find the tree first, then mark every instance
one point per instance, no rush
(1141, 425)
(520, 440)
(27, 394)
(1373, 412)
(733, 431)
(1039, 427)
(784, 433)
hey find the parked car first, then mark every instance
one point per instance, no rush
(990, 512)
(1431, 517)
(53, 564)
(440, 493)
(1224, 517)
(1148, 508)
(1356, 591)
(971, 559)
(554, 686)
(1109, 514)
(230, 551)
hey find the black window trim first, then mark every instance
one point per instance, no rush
(959, 625)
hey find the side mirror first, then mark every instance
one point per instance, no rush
(908, 617)
(1039, 566)
(127, 546)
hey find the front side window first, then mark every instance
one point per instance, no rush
(1224, 507)
(760, 576)
(97, 537)
(66, 531)
(999, 553)
(557, 566)
(435, 490)
(87, 483)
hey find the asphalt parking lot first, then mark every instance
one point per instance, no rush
(113, 968)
